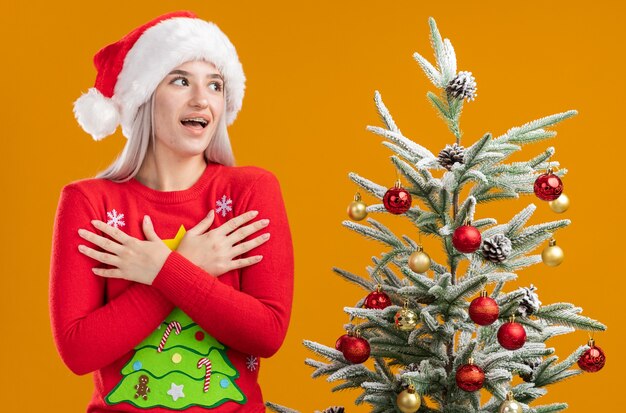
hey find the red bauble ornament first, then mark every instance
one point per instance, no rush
(548, 186)
(355, 349)
(511, 335)
(484, 310)
(593, 359)
(340, 341)
(466, 239)
(470, 377)
(397, 200)
(377, 300)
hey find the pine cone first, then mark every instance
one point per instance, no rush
(451, 155)
(497, 248)
(533, 364)
(411, 368)
(530, 303)
(334, 409)
(463, 86)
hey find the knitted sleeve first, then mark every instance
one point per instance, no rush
(254, 319)
(87, 329)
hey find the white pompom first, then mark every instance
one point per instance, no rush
(96, 114)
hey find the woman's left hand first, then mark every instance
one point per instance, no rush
(134, 259)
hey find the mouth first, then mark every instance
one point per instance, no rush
(195, 123)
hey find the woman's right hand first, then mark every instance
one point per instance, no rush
(214, 251)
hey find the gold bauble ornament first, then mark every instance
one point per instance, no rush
(560, 204)
(419, 261)
(552, 255)
(406, 319)
(408, 400)
(357, 210)
(510, 405)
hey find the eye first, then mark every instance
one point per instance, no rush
(216, 86)
(181, 81)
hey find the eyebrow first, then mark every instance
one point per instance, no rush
(185, 73)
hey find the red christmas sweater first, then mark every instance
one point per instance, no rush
(113, 327)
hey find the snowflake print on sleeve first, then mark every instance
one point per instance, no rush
(252, 363)
(224, 206)
(116, 220)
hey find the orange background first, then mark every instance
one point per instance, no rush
(312, 69)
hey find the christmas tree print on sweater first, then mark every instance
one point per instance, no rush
(178, 366)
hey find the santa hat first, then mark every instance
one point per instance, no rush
(130, 69)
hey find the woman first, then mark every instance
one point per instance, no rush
(164, 280)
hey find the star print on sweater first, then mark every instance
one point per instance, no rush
(176, 391)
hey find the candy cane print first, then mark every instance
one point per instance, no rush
(168, 330)
(207, 375)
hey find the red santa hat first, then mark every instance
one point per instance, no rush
(130, 69)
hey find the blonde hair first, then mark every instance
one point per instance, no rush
(128, 163)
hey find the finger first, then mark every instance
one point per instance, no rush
(118, 235)
(148, 229)
(102, 257)
(248, 245)
(245, 262)
(243, 232)
(204, 225)
(107, 272)
(104, 243)
(232, 224)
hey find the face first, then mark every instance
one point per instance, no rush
(189, 103)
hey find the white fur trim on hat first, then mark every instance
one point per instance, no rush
(96, 114)
(166, 45)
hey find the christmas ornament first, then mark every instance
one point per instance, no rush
(470, 377)
(419, 261)
(377, 300)
(405, 319)
(341, 340)
(530, 302)
(355, 348)
(408, 400)
(497, 248)
(511, 335)
(552, 255)
(548, 186)
(397, 200)
(451, 155)
(593, 359)
(484, 310)
(510, 405)
(533, 364)
(129, 70)
(560, 205)
(357, 210)
(411, 367)
(466, 238)
(463, 86)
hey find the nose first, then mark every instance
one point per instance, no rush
(200, 98)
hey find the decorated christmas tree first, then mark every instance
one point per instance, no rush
(436, 335)
(179, 365)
